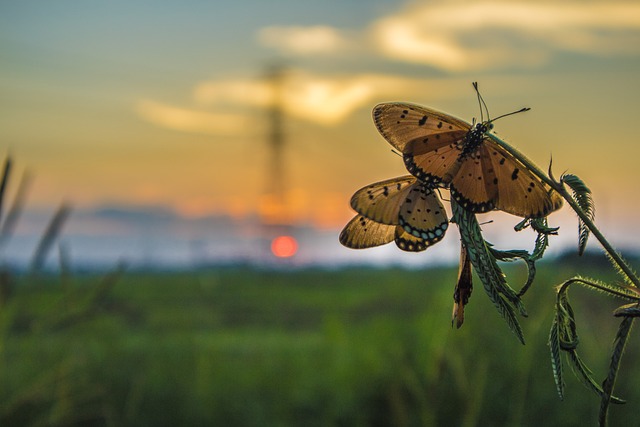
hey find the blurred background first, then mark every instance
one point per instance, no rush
(177, 131)
(212, 141)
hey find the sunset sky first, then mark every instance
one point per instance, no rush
(159, 103)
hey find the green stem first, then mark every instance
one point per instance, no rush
(615, 256)
(605, 289)
(623, 267)
(557, 186)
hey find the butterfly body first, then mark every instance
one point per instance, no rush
(474, 138)
(440, 149)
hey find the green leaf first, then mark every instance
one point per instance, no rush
(629, 310)
(539, 225)
(522, 224)
(586, 376)
(513, 255)
(582, 196)
(566, 338)
(556, 361)
(505, 299)
(618, 348)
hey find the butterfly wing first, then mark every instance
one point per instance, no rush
(491, 178)
(433, 148)
(400, 123)
(474, 184)
(408, 242)
(429, 140)
(361, 233)
(402, 209)
(381, 201)
(422, 214)
(519, 191)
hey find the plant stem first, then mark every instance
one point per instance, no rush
(614, 256)
(584, 282)
(557, 186)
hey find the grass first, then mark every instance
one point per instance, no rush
(247, 347)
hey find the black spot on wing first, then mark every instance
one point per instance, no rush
(467, 204)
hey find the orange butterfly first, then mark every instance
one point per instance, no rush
(440, 149)
(404, 210)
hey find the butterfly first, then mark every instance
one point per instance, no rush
(403, 209)
(440, 149)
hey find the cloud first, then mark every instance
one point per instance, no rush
(454, 36)
(459, 36)
(238, 91)
(324, 100)
(192, 121)
(299, 40)
(321, 100)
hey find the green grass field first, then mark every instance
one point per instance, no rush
(248, 347)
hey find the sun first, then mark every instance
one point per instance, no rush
(284, 246)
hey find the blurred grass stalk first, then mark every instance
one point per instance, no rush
(49, 237)
(56, 396)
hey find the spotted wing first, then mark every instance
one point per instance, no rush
(381, 201)
(361, 233)
(422, 214)
(430, 141)
(519, 191)
(408, 242)
(474, 186)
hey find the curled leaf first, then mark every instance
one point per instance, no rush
(620, 342)
(564, 337)
(513, 255)
(556, 362)
(463, 289)
(629, 310)
(540, 226)
(582, 196)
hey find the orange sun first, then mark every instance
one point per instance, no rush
(284, 246)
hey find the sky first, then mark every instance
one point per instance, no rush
(163, 105)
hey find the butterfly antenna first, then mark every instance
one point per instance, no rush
(522, 110)
(396, 153)
(481, 103)
(475, 86)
